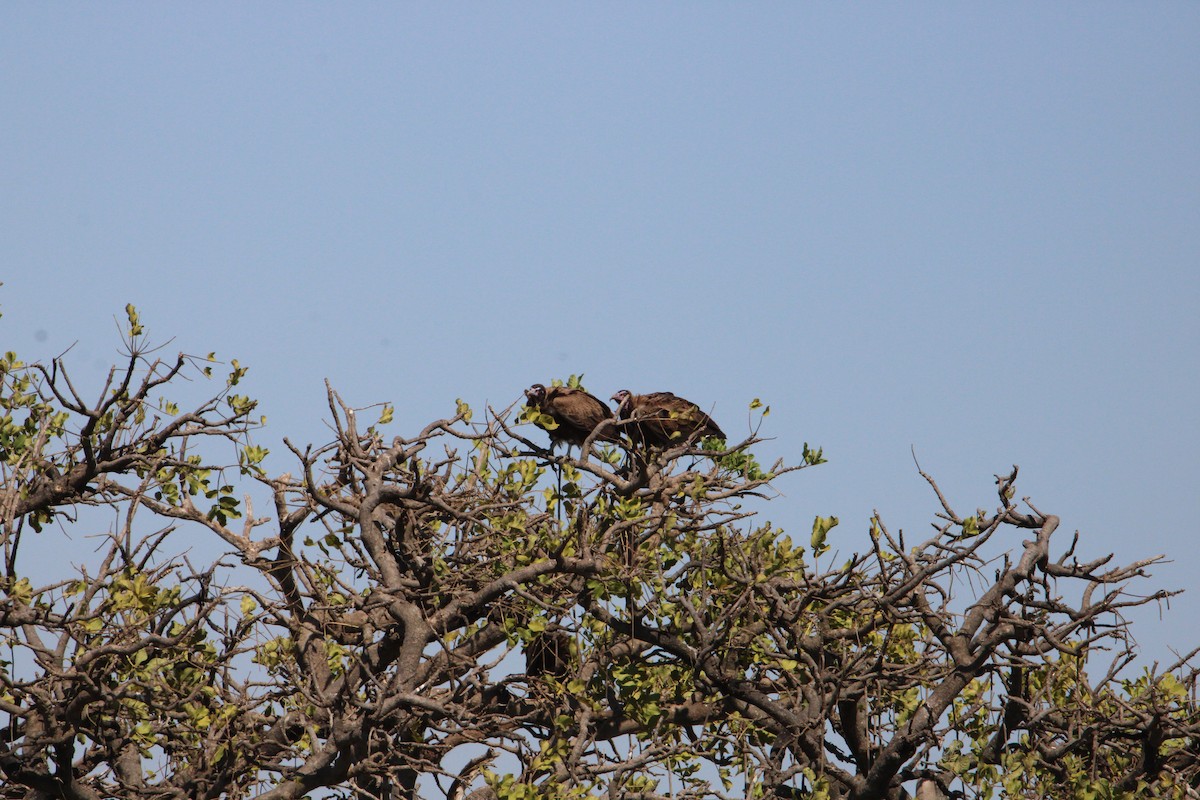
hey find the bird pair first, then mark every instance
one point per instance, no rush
(658, 419)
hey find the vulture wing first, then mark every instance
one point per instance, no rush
(663, 420)
(548, 653)
(577, 413)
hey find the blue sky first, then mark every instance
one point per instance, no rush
(969, 230)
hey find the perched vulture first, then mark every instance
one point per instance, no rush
(576, 412)
(548, 653)
(660, 419)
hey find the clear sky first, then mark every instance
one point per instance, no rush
(969, 229)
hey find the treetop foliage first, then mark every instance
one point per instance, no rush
(461, 612)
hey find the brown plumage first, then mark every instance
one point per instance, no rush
(548, 653)
(660, 419)
(576, 412)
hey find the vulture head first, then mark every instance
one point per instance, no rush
(535, 394)
(624, 400)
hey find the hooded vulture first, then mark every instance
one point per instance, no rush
(548, 653)
(660, 419)
(576, 412)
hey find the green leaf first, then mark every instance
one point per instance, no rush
(252, 455)
(21, 591)
(812, 457)
(135, 325)
(821, 528)
(237, 373)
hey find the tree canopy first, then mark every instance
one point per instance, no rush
(461, 611)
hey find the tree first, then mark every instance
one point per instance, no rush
(462, 612)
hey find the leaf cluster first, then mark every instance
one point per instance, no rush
(458, 609)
